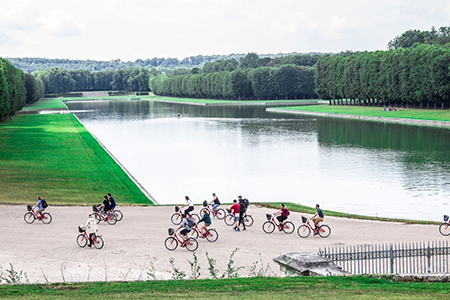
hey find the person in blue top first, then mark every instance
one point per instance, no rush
(185, 228)
(207, 222)
(318, 217)
(112, 202)
(39, 207)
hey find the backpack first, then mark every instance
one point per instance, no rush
(191, 223)
(246, 202)
(44, 203)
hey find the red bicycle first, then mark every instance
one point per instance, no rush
(109, 217)
(304, 230)
(83, 238)
(219, 213)
(270, 225)
(444, 228)
(177, 217)
(211, 233)
(173, 240)
(31, 216)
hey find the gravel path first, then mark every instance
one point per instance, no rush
(50, 252)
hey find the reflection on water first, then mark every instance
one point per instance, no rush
(345, 165)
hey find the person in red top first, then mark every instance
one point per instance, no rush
(235, 208)
(282, 214)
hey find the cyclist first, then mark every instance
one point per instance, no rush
(189, 204)
(105, 205)
(186, 226)
(215, 203)
(207, 222)
(39, 207)
(91, 228)
(318, 217)
(282, 215)
(112, 202)
(235, 209)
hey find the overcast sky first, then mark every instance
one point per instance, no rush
(132, 29)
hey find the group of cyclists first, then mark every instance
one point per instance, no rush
(108, 204)
(238, 210)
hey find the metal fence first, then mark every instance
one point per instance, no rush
(401, 258)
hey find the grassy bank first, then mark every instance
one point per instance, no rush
(355, 287)
(55, 157)
(409, 113)
(310, 210)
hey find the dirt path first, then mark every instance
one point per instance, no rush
(50, 253)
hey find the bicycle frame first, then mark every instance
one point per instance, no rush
(279, 227)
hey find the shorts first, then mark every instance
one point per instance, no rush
(39, 210)
(207, 225)
(281, 218)
(236, 217)
(317, 220)
(184, 231)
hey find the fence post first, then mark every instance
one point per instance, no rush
(391, 256)
(428, 258)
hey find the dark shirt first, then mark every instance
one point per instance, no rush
(320, 212)
(106, 204)
(284, 212)
(206, 218)
(112, 202)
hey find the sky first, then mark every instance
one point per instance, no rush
(142, 29)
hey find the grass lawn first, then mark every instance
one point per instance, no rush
(408, 113)
(55, 157)
(50, 103)
(355, 287)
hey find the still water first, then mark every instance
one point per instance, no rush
(351, 166)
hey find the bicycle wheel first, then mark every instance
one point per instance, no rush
(111, 219)
(98, 242)
(229, 219)
(98, 217)
(303, 231)
(268, 227)
(444, 229)
(176, 219)
(193, 233)
(248, 220)
(288, 227)
(46, 218)
(212, 235)
(81, 240)
(325, 231)
(118, 214)
(171, 243)
(220, 213)
(195, 217)
(29, 218)
(191, 244)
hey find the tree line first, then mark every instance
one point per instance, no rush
(284, 82)
(16, 89)
(416, 75)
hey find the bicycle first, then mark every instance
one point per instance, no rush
(248, 219)
(118, 213)
(304, 230)
(270, 225)
(211, 233)
(219, 213)
(31, 216)
(177, 217)
(173, 240)
(83, 238)
(109, 217)
(444, 228)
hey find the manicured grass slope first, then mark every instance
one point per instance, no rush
(55, 157)
(357, 287)
(409, 113)
(51, 103)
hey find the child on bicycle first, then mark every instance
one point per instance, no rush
(282, 214)
(207, 222)
(186, 227)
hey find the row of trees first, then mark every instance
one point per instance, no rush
(16, 89)
(285, 82)
(57, 80)
(410, 37)
(415, 75)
